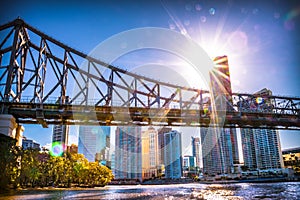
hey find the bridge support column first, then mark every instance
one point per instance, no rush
(9, 127)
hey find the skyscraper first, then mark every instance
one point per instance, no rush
(94, 143)
(196, 150)
(261, 147)
(60, 134)
(161, 144)
(221, 84)
(189, 162)
(219, 145)
(211, 151)
(172, 155)
(149, 153)
(128, 153)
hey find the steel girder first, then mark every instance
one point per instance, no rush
(47, 73)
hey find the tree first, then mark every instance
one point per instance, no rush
(30, 171)
(31, 168)
(79, 164)
(9, 162)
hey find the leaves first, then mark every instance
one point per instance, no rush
(9, 162)
(40, 169)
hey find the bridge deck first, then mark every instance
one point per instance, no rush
(30, 113)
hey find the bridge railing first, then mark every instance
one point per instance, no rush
(279, 105)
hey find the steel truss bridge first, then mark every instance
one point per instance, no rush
(42, 81)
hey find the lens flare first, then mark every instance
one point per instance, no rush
(57, 149)
(212, 11)
(205, 110)
(259, 100)
(289, 23)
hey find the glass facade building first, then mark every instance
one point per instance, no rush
(219, 145)
(172, 155)
(128, 153)
(94, 143)
(196, 145)
(261, 147)
(61, 135)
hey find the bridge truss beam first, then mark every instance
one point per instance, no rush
(45, 81)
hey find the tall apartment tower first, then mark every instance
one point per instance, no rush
(94, 143)
(261, 147)
(196, 145)
(211, 151)
(172, 155)
(60, 134)
(219, 145)
(161, 144)
(221, 84)
(149, 153)
(128, 153)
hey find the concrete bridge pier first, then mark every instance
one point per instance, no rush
(9, 127)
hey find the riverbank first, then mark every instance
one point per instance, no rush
(248, 180)
(168, 181)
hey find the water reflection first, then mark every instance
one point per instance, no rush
(289, 190)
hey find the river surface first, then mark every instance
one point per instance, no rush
(283, 190)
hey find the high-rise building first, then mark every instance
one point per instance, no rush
(60, 134)
(221, 84)
(30, 144)
(161, 144)
(189, 162)
(94, 143)
(248, 148)
(128, 153)
(189, 166)
(149, 153)
(261, 147)
(219, 145)
(172, 155)
(196, 150)
(113, 161)
(210, 151)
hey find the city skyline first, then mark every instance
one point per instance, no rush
(258, 34)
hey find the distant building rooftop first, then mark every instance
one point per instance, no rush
(291, 150)
(30, 144)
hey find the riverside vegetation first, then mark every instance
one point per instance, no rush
(32, 168)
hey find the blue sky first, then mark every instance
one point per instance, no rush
(259, 37)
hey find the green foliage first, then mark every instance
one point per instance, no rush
(9, 162)
(89, 174)
(31, 168)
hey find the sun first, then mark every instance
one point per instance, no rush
(214, 48)
(234, 46)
